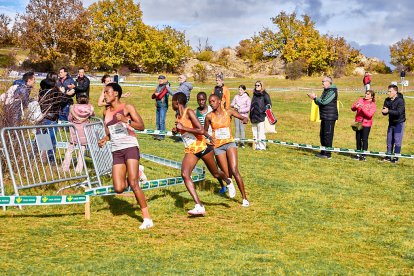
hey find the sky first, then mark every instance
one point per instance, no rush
(369, 25)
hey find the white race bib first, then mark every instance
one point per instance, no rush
(118, 131)
(222, 133)
(188, 139)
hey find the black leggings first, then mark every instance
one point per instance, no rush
(362, 138)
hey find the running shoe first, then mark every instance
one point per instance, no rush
(231, 189)
(197, 211)
(223, 190)
(148, 223)
(245, 203)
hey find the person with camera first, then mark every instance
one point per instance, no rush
(161, 104)
(394, 107)
(365, 108)
(328, 112)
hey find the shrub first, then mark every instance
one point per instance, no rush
(200, 72)
(205, 55)
(295, 70)
(7, 60)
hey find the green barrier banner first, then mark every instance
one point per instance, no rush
(297, 145)
(42, 200)
(149, 185)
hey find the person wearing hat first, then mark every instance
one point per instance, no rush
(161, 103)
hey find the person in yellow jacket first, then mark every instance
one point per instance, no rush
(222, 92)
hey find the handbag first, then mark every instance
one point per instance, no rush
(357, 126)
(270, 116)
(269, 128)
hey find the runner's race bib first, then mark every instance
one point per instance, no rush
(222, 133)
(188, 139)
(118, 131)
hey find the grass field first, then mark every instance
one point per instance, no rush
(307, 215)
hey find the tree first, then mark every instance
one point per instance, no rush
(119, 37)
(251, 49)
(53, 31)
(6, 35)
(117, 33)
(402, 53)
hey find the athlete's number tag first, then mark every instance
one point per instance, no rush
(188, 139)
(222, 133)
(118, 131)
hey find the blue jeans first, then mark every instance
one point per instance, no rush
(160, 117)
(52, 131)
(394, 138)
(64, 113)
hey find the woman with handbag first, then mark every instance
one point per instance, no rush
(258, 114)
(365, 108)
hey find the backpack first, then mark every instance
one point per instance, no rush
(8, 97)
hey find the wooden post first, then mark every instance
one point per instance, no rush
(88, 210)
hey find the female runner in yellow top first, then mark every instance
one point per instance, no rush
(225, 148)
(192, 134)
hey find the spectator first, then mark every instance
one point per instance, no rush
(21, 98)
(328, 112)
(394, 107)
(222, 92)
(105, 80)
(184, 87)
(50, 101)
(67, 86)
(161, 104)
(365, 108)
(258, 113)
(367, 81)
(79, 115)
(241, 103)
(402, 75)
(116, 76)
(82, 84)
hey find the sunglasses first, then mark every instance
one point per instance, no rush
(258, 85)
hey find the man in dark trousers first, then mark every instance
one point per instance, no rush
(328, 112)
(82, 84)
(394, 107)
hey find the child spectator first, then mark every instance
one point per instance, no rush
(79, 115)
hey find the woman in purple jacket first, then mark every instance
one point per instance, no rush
(241, 103)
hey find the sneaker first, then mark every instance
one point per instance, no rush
(242, 146)
(323, 156)
(394, 160)
(245, 203)
(198, 210)
(356, 157)
(148, 223)
(223, 190)
(387, 159)
(362, 158)
(232, 190)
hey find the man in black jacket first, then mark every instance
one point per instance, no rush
(82, 84)
(328, 112)
(394, 107)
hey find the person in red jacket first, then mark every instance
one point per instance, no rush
(367, 81)
(365, 108)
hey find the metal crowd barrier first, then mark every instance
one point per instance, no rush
(101, 157)
(35, 155)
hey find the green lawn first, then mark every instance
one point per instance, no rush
(307, 216)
